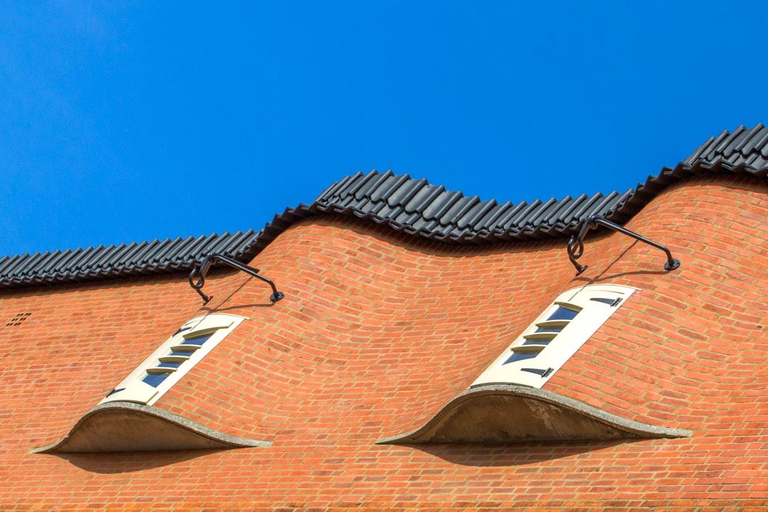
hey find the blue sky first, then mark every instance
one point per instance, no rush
(131, 121)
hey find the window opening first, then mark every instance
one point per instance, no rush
(556, 335)
(197, 342)
(538, 371)
(155, 379)
(173, 359)
(519, 356)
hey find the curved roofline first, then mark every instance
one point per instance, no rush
(404, 204)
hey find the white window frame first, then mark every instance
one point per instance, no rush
(547, 344)
(134, 389)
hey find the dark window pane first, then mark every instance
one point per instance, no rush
(154, 379)
(549, 329)
(196, 341)
(182, 353)
(537, 371)
(520, 356)
(173, 364)
(562, 313)
(116, 390)
(610, 302)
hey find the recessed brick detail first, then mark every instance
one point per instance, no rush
(376, 333)
(17, 319)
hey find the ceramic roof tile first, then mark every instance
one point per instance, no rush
(424, 198)
(388, 187)
(476, 214)
(490, 220)
(441, 204)
(459, 208)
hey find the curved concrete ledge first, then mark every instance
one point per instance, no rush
(506, 413)
(130, 427)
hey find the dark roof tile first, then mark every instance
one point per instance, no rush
(757, 143)
(423, 198)
(554, 214)
(459, 208)
(406, 192)
(350, 185)
(372, 184)
(490, 220)
(388, 187)
(441, 204)
(542, 212)
(736, 140)
(473, 217)
(505, 221)
(748, 142)
(521, 219)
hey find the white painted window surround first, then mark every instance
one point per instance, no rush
(173, 359)
(536, 355)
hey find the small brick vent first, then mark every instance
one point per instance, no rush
(18, 319)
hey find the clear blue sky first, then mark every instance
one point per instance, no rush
(131, 121)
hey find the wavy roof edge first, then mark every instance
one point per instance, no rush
(404, 204)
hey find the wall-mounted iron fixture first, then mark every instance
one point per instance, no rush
(197, 276)
(576, 242)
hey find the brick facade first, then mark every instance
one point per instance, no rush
(377, 332)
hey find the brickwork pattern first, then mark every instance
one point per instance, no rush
(376, 333)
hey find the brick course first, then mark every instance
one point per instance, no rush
(376, 333)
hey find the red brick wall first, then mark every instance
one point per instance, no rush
(376, 333)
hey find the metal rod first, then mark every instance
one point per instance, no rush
(197, 276)
(575, 245)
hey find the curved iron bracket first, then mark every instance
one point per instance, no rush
(197, 276)
(575, 245)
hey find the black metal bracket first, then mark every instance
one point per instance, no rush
(576, 242)
(197, 276)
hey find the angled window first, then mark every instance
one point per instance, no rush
(555, 336)
(174, 358)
